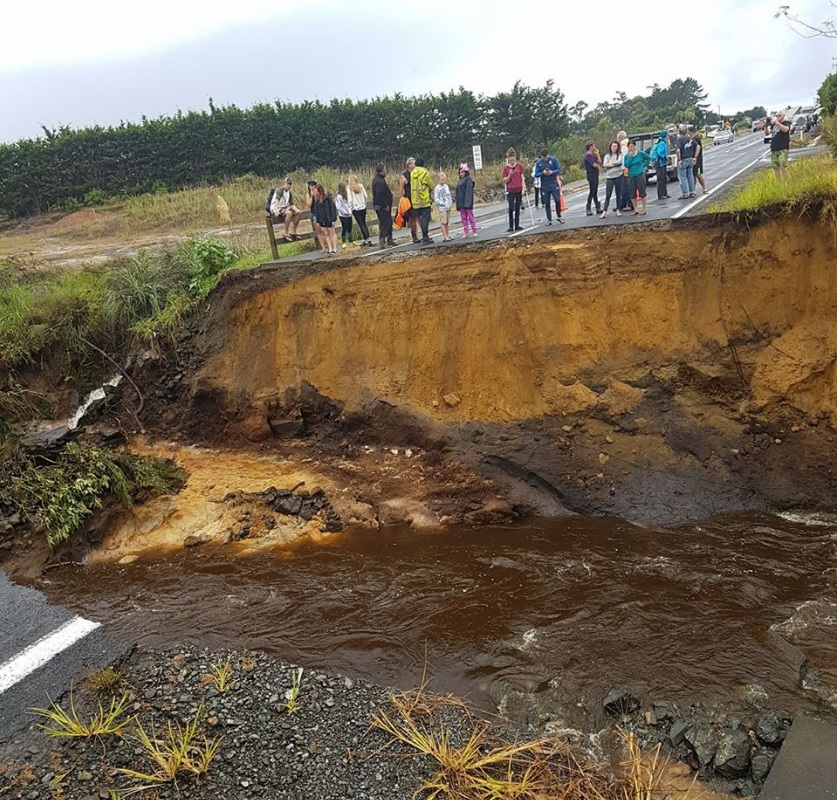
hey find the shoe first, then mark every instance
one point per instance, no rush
(589, 213)
(518, 227)
(509, 230)
(549, 222)
(641, 212)
(683, 197)
(416, 240)
(464, 235)
(391, 243)
(345, 245)
(427, 240)
(692, 194)
(561, 220)
(474, 234)
(603, 215)
(618, 213)
(382, 246)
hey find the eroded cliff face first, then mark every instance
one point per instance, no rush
(511, 332)
(660, 373)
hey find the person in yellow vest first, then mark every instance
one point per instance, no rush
(421, 192)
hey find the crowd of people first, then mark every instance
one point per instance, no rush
(623, 168)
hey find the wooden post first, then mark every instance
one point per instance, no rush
(271, 236)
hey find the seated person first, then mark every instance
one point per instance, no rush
(282, 208)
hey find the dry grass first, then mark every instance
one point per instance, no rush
(104, 681)
(478, 766)
(66, 723)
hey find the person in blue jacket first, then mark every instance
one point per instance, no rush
(659, 158)
(548, 169)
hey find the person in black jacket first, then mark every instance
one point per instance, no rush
(382, 205)
(325, 211)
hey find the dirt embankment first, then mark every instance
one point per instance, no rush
(662, 373)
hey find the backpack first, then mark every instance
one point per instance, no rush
(661, 153)
(269, 201)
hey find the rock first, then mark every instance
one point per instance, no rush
(193, 540)
(452, 400)
(43, 440)
(678, 732)
(84, 776)
(572, 399)
(285, 427)
(755, 694)
(620, 398)
(760, 766)
(621, 702)
(290, 506)
(703, 741)
(790, 653)
(665, 711)
(129, 559)
(770, 728)
(732, 757)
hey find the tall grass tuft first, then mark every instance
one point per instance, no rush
(66, 723)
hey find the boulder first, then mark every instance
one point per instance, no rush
(678, 732)
(620, 398)
(732, 756)
(760, 765)
(703, 741)
(621, 702)
(771, 728)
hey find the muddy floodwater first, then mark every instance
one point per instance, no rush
(682, 614)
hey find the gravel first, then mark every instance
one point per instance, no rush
(326, 751)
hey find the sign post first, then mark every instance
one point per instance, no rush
(477, 149)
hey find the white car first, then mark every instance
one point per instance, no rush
(723, 136)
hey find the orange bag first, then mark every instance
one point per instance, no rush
(404, 206)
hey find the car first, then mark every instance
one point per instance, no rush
(646, 141)
(723, 136)
(800, 124)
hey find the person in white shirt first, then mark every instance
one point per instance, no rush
(357, 202)
(282, 208)
(444, 201)
(344, 211)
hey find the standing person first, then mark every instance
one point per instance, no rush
(625, 203)
(592, 166)
(357, 202)
(382, 204)
(310, 204)
(406, 189)
(514, 182)
(613, 175)
(548, 169)
(444, 201)
(326, 212)
(421, 190)
(779, 146)
(465, 201)
(634, 165)
(536, 182)
(698, 168)
(344, 211)
(685, 164)
(659, 158)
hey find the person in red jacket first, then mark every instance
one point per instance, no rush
(514, 181)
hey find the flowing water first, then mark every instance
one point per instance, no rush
(688, 613)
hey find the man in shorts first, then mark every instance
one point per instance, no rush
(779, 146)
(697, 168)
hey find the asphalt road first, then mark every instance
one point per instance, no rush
(722, 165)
(43, 648)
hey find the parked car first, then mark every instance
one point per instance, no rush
(723, 136)
(800, 124)
(645, 141)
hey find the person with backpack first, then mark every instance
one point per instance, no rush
(659, 158)
(406, 191)
(548, 169)
(280, 206)
(382, 205)
(592, 166)
(465, 200)
(357, 202)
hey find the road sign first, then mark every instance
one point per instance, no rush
(477, 156)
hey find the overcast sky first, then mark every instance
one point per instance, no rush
(99, 61)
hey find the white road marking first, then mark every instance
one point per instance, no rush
(714, 189)
(525, 230)
(44, 650)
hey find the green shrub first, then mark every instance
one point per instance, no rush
(62, 496)
(95, 197)
(136, 290)
(204, 259)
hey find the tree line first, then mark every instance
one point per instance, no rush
(67, 167)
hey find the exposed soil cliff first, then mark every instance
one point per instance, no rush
(661, 373)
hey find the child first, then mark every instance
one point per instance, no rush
(465, 200)
(344, 211)
(444, 200)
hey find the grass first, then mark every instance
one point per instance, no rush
(292, 705)
(66, 723)
(180, 750)
(809, 189)
(477, 765)
(104, 681)
(221, 676)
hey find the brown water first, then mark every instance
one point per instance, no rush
(677, 614)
